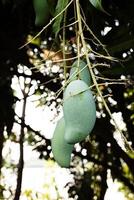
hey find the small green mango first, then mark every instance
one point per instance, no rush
(79, 111)
(42, 13)
(60, 148)
(79, 70)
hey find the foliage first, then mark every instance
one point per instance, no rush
(59, 8)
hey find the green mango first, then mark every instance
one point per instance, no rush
(79, 70)
(42, 13)
(79, 111)
(60, 148)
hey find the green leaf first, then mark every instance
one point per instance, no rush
(61, 4)
(98, 5)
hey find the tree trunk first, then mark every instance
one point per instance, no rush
(21, 159)
(1, 159)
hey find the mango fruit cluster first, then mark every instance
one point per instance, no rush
(79, 114)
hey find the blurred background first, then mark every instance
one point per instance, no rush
(33, 72)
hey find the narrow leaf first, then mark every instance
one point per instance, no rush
(98, 5)
(61, 4)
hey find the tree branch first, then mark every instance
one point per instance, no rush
(21, 159)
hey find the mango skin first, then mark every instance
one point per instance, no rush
(80, 71)
(42, 13)
(79, 111)
(60, 148)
